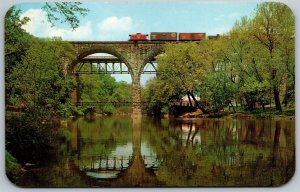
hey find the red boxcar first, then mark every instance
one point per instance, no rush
(138, 37)
(163, 36)
(191, 36)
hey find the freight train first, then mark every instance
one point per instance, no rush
(167, 36)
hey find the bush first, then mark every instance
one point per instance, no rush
(82, 110)
(123, 109)
(64, 134)
(109, 109)
(30, 138)
(12, 166)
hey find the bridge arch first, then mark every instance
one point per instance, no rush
(106, 50)
(75, 95)
(150, 57)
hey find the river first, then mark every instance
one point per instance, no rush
(142, 151)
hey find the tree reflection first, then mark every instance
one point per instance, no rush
(230, 152)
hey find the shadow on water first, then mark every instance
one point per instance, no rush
(142, 151)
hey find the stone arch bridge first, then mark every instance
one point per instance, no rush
(135, 55)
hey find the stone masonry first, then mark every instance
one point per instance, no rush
(134, 54)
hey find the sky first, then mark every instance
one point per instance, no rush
(115, 21)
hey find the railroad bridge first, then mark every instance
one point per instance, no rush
(135, 55)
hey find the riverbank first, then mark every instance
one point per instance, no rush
(288, 113)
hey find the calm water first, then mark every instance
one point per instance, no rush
(125, 151)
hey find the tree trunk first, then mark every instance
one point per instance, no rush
(250, 104)
(288, 95)
(197, 103)
(232, 107)
(189, 134)
(196, 131)
(286, 98)
(79, 87)
(262, 105)
(236, 102)
(191, 105)
(276, 98)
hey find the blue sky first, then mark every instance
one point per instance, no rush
(115, 21)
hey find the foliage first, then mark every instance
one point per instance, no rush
(12, 166)
(108, 109)
(17, 42)
(65, 12)
(16, 39)
(218, 90)
(37, 87)
(180, 66)
(104, 88)
(180, 71)
(122, 92)
(38, 82)
(274, 40)
(64, 134)
(157, 95)
(30, 138)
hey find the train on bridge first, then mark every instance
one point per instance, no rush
(167, 36)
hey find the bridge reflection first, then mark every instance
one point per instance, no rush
(120, 170)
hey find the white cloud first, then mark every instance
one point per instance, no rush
(81, 33)
(111, 28)
(115, 24)
(38, 24)
(115, 28)
(40, 27)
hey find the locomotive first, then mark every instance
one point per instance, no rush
(167, 36)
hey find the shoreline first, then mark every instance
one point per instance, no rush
(237, 115)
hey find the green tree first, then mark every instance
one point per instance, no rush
(218, 90)
(246, 64)
(104, 88)
(122, 92)
(179, 68)
(273, 29)
(218, 87)
(38, 81)
(159, 95)
(34, 82)
(261, 54)
(17, 42)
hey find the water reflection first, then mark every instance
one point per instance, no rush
(141, 151)
(124, 165)
(229, 152)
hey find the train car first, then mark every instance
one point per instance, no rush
(211, 37)
(138, 37)
(163, 36)
(191, 36)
